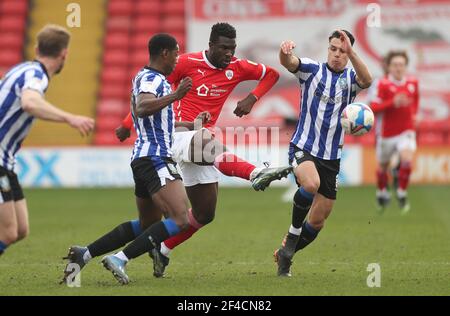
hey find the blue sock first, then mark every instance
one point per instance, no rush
(136, 225)
(151, 238)
(307, 236)
(3, 247)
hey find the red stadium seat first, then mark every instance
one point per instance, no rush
(106, 138)
(139, 58)
(173, 7)
(9, 58)
(431, 138)
(140, 41)
(107, 123)
(116, 40)
(115, 91)
(14, 7)
(113, 108)
(148, 7)
(118, 24)
(14, 24)
(117, 57)
(114, 75)
(11, 41)
(120, 7)
(172, 24)
(147, 23)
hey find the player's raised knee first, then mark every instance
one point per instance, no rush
(9, 235)
(311, 185)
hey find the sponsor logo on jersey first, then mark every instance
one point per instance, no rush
(202, 90)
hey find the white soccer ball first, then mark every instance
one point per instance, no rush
(357, 119)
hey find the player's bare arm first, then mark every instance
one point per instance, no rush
(148, 104)
(287, 58)
(34, 103)
(363, 76)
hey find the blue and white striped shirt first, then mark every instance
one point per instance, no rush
(15, 123)
(155, 132)
(325, 94)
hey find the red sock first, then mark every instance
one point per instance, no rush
(233, 166)
(403, 175)
(382, 179)
(174, 241)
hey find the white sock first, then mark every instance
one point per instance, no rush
(87, 256)
(121, 256)
(401, 193)
(295, 231)
(164, 250)
(254, 173)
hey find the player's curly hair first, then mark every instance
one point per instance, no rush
(159, 42)
(222, 29)
(336, 34)
(394, 53)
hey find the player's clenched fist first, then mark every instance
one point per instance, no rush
(184, 87)
(287, 47)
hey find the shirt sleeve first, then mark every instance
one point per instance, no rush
(251, 70)
(306, 68)
(35, 80)
(355, 86)
(151, 83)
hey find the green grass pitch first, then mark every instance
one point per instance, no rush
(233, 255)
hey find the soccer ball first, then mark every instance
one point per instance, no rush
(357, 119)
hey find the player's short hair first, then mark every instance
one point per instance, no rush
(222, 29)
(52, 39)
(160, 42)
(394, 53)
(336, 34)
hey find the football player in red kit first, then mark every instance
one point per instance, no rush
(398, 100)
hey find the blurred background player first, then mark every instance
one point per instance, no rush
(315, 148)
(22, 100)
(215, 73)
(398, 101)
(156, 177)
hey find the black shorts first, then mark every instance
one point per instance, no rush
(150, 174)
(328, 170)
(9, 186)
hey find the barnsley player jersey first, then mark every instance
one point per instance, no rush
(396, 119)
(211, 86)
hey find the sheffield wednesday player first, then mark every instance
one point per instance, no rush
(155, 174)
(22, 100)
(315, 148)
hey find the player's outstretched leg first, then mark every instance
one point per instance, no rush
(172, 200)
(116, 238)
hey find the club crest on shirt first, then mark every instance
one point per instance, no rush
(343, 83)
(229, 74)
(411, 88)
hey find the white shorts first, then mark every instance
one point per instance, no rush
(388, 146)
(192, 174)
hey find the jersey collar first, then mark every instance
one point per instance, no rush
(207, 61)
(155, 70)
(397, 82)
(43, 68)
